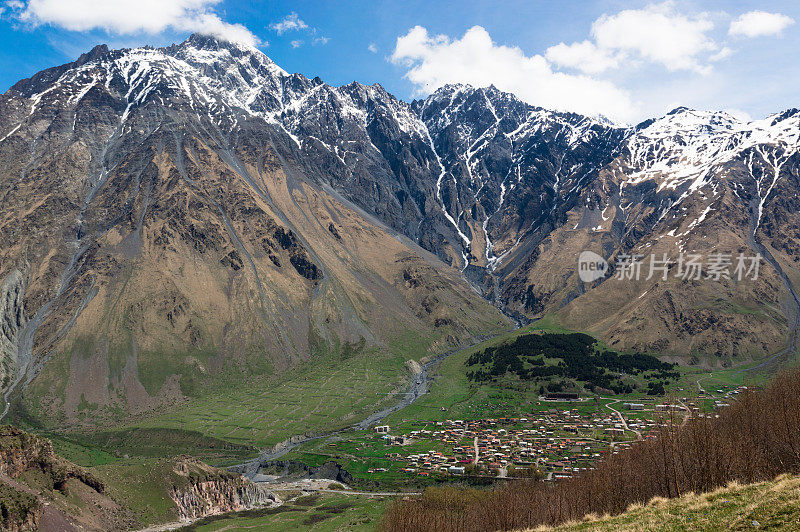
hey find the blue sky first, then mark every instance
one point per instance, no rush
(625, 59)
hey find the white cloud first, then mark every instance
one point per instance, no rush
(659, 34)
(760, 23)
(130, 17)
(372, 48)
(292, 22)
(583, 56)
(434, 61)
(723, 53)
(655, 34)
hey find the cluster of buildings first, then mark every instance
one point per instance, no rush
(557, 443)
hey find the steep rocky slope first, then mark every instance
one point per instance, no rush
(171, 216)
(695, 183)
(160, 233)
(530, 189)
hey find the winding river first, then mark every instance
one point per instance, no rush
(417, 388)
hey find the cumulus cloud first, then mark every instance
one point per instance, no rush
(585, 56)
(655, 34)
(658, 33)
(760, 24)
(434, 61)
(372, 48)
(292, 22)
(126, 17)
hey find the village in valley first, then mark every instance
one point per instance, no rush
(556, 444)
(563, 435)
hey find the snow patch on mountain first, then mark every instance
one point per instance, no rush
(491, 149)
(685, 150)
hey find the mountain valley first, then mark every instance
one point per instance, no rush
(194, 238)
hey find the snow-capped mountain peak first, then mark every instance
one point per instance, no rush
(477, 153)
(686, 144)
(474, 175)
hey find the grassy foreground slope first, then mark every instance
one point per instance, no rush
(773, 505)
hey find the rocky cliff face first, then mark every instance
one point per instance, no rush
(200, 491)
(19, 511)
(21, 451)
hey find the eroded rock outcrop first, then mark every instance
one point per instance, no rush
(19, 511)
(200, 490)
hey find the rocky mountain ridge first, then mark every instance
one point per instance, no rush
(199, 195)
(166, 231)
(35, 485)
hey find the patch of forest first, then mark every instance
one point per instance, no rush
(575, 356)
